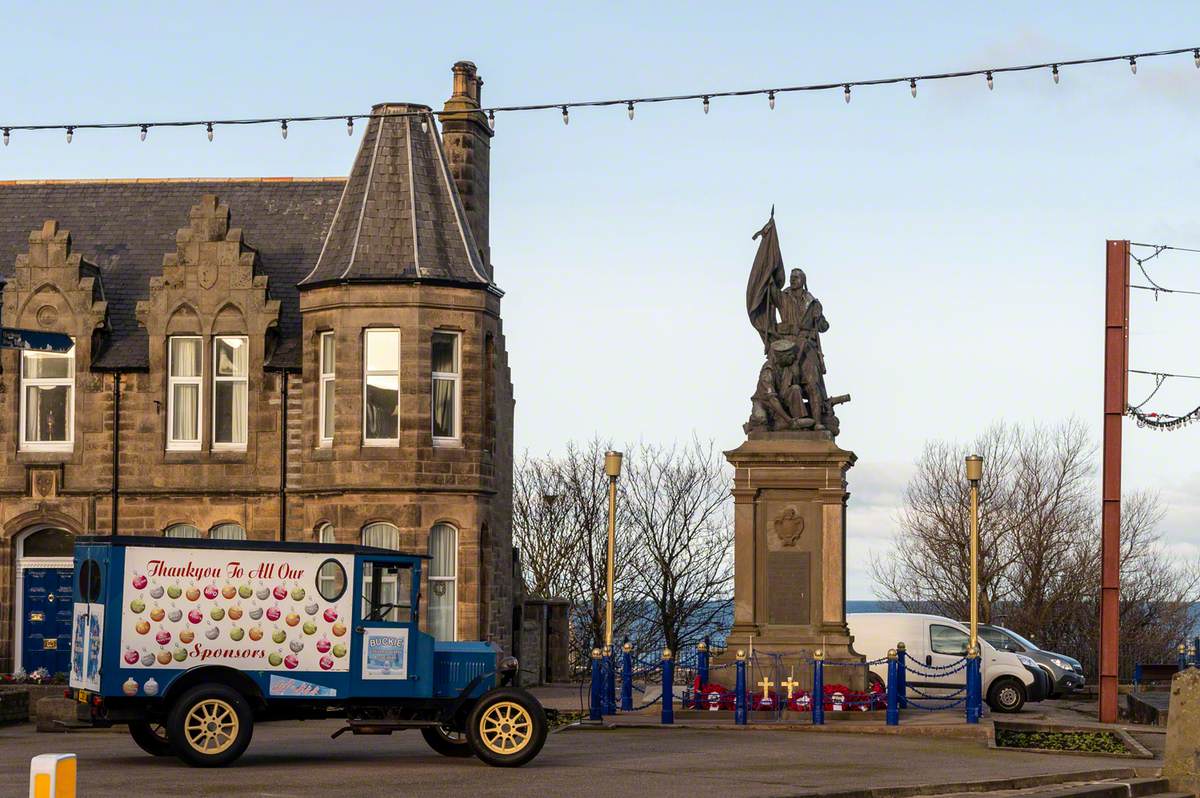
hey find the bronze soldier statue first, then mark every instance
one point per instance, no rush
(791, 392)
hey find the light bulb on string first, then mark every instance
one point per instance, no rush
(70, 134)
(629, 109)
(283, 128)
(1196, 57)
(6, 136)
(1054, 73)
(771, 100)
(424, 123)
(991, 84)
(846, 93)
(492, 119)
(142, 133)
(566, 116)
(349, 126)
(912, 86)
(706, 103)
(208, 127)
(1133, 65)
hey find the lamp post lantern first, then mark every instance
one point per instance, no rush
(974, 474)
(612, 468)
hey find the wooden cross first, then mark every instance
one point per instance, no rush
(766, 684)
(789, 684)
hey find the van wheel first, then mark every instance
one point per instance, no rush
(151, 737)
(210, 725)
(447, 742)
(1006, 695)
(507, 727)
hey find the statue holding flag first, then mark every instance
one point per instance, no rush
(791, 391)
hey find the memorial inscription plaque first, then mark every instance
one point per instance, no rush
(789, 574)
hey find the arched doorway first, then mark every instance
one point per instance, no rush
(44, 558)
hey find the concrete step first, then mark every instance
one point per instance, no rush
(1144, 788)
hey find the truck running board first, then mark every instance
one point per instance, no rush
(382, 727)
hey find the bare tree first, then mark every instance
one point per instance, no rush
(1039, 547)
(678, 508)
(548, 548)
(583, 509)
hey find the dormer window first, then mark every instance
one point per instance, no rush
(47, 401)
(183, 392)
(231, 372)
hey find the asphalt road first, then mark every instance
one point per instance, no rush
(293, 758)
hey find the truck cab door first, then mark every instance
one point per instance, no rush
(386, 659)
(946, 647)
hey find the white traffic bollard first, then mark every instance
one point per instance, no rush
(52, 776)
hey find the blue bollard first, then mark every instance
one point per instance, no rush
(893, 702)
(594, 700)
(902, 675)
(739, 688)
(1183, 663)
(668, 692)
(818, 696)
(701, 671)
(974, 704)
(626, 678)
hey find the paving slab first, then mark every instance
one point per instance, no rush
(293, 758)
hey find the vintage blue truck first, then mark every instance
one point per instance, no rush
(191, 642)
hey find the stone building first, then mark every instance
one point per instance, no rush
(299, 359)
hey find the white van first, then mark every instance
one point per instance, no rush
(933, 641)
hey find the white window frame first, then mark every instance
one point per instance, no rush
(184, 445)
(388, 373)
(327, 375)
(228, 446)
(453, 579)
(456, 378)
(68, 381)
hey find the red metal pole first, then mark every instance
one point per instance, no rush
(1116, 401)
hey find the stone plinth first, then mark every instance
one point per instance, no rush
(1181, 763)
(790, 553)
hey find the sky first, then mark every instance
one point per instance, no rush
(956, 240)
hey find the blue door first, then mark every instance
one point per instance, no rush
(46, 620)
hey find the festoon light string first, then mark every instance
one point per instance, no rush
(1161, 422)
(1054, 67)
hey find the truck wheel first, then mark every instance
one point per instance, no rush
(507, 727)
(210, 725)
(151, 737)
(1006, 695)
(447, 742)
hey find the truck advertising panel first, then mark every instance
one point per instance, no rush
(251, 610)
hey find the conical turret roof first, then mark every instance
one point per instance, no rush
(400, 217)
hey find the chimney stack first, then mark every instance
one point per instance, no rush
(467, 136)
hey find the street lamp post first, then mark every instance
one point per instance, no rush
(974, 474)
(612, 467)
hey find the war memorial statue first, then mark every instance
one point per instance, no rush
(791, 391)
(790, 486)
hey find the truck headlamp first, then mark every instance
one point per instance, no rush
(1024, 660)
(508, 664)
(1061, 664)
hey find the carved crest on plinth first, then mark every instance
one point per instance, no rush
(789, 526)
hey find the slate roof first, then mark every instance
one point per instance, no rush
(124, 227)
(400, 216)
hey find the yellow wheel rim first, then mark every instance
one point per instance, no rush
(506, 727)
(211, 726)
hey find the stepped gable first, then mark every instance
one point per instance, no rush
(400, 218)
(123, 227)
